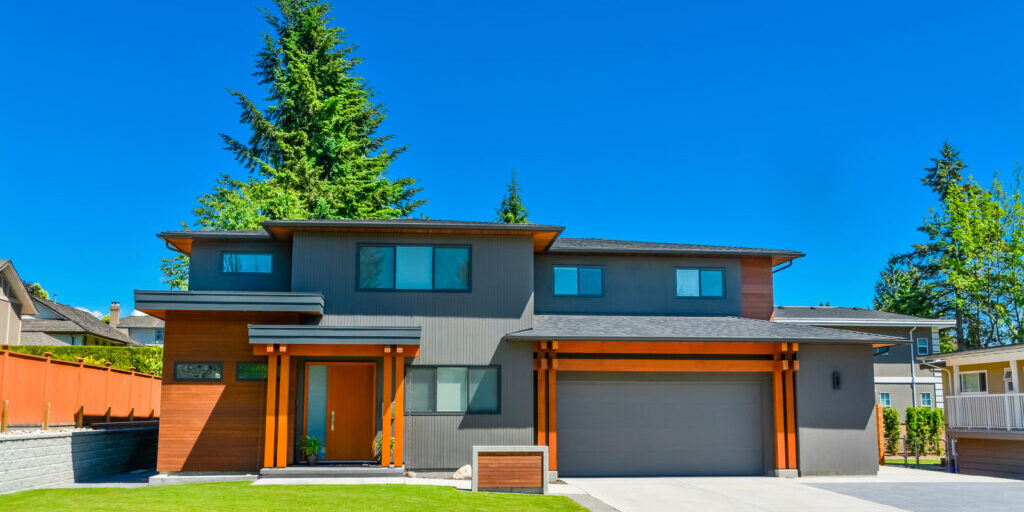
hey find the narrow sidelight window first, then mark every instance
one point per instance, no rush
(452, 389)
(246, 263)
(209, 371)
(579, 280)
(700, 282)
(413, 267)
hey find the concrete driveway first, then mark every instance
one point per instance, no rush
(893, 490)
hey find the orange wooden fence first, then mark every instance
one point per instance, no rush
(43, 391)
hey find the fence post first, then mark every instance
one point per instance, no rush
(106, 391)
(131, 388)
(80, 417)
(3, 371)
(80, 420)
(46, 401)
(3, 417)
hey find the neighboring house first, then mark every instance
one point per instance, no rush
(900, 381)
(15, 303)
(984, 409)
(624, 358)
(142, 328)
(60, 324)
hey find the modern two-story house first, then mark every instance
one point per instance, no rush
(623, 358)
(900, 380)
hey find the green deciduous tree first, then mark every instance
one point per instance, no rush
(512, 210)
(313, 151)
(36, 290)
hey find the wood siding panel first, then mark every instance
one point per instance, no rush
(212, 426)
(991, 457)
(758, 291)
(505, 470)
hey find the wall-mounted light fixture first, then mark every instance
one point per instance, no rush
(835, 380)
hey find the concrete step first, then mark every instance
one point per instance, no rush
(343, 471)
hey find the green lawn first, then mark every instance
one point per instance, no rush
(241, 496)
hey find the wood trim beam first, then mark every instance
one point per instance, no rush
(271, 412)
(282, 412)
(667, 347)
(336, 350)
(665, 365)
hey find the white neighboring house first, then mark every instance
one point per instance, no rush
(145, 329)
(15, 304)
(900, 380)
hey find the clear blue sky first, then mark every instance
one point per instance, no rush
(785, 125)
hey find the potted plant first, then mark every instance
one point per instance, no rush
(310, 449)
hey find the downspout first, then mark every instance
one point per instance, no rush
(950, 442)
(913, 368)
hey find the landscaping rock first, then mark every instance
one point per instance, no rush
(464, 473)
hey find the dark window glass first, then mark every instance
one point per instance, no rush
(687, 282)
(251, 371)
(246, 263)
(567, 281)
(452, 389)
(199, 371)
(694, 282)
(159, 335)
(483, 390)
(590, 280)
(413, 267)
(710, 283)
(376, 267)
(451, 268)
(421, 389)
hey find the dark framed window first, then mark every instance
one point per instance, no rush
(414, 267)
(922, 346)
(158, 335)
(249, 371)
(578, 280)
(700, 282)
(246, 262)
(199, 371)
(453, 390)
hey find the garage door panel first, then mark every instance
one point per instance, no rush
(681, 426)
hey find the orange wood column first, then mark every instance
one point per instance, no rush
(282, 412)
(790, 421)
(780, 415)
(399, 405)
(879, 424)
(385, 406)
(541, 365)
(553, 417)
(268, 443)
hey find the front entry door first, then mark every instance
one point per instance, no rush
(342, 397)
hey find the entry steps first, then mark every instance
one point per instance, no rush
(339, 471)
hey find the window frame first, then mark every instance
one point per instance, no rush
(927, 346)
(888, 399)
(250, 253)
(468, 398)
(930, 402)
(578, 282)
(433, 260)
(174, 371)
(700, 279)
(960, 384)
(238, 365)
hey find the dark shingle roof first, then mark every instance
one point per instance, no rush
(601, 245)
(39, 339)
(141, 321)
(48, 325)
(411, 223)
(685, 328)
(87, 323)
(851, 316)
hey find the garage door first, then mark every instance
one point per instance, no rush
(626, 424)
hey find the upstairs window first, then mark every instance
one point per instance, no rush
(414, 267)
(922, 346)
(579, 281)
(973, 382)
(700, 282)
(246, 263)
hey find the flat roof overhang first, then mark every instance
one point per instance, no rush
(158, 302)
(333, 340)
(846, 322)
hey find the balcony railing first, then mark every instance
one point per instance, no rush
(986, 412)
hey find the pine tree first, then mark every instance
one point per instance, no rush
(946, 172)
(512, 210)
(902, 289)
(313, 151)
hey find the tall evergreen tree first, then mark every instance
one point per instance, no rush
(512, 210)
(313, 151)
(946, 170)
(902, 289)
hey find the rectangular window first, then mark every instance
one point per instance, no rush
(245, 371)
(452, 389)
(246, 263)
(922, 346)
(413, 267)
(883, 398)
(882, 351)
(926, 399)
(208, 371)
(974, 382)
(579, 281)
(700, 282)
(159, 335)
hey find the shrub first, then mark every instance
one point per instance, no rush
(891, 424)
(936, 420)
(144, 359)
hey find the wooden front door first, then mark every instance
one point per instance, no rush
(349, 412)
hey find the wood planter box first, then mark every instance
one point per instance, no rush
(510, 469)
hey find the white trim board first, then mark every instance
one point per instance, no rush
(907, 380)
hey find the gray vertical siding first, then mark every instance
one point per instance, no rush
(205, 267)
(637, 285)
(837, 432)
(458, 329)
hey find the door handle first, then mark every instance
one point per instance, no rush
(332, 421)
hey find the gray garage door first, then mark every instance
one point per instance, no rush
(629, 424)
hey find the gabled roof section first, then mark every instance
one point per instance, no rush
(602, 245)
(74, 321)
(141, 321)
(17, 287)
(687, 328)
(852, 317)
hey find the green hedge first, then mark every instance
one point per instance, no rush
(144, 359)
(924, 426)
